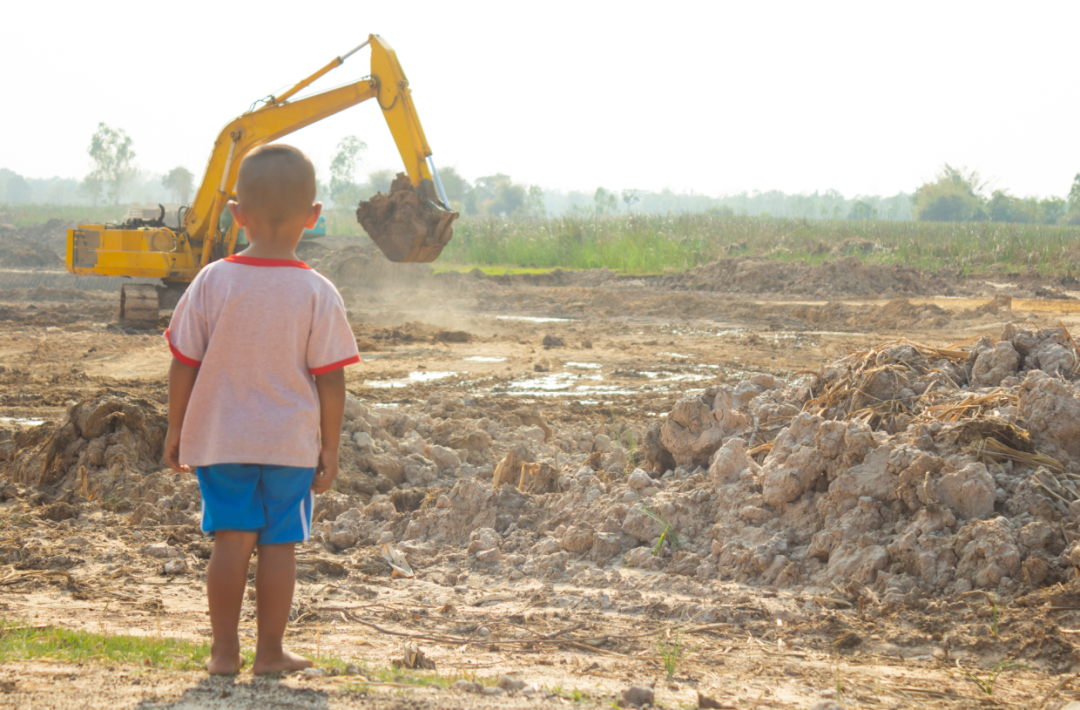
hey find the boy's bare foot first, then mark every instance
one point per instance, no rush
(279, 662)
(225, 664)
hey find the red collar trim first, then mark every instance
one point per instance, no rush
(256, 261)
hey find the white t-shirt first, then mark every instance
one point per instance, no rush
(258, 330)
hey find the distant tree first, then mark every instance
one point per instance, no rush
(470, 203)
(17, 189)
(1052, 210)
(343, 187)
(630, 197)
(1003, 207)
(181, 182)
(604, 202)
(58, 192)
(111, 151)
(952, 197)
(862, 210)
(379, 180)
(91, 185)
(509, 199)
(455, 185)
(487, 187)
(534, 202)
(1072, 214)
(497, 195)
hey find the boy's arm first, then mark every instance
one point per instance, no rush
(181, 382)
(331, 389)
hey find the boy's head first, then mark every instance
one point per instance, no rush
(275, 189)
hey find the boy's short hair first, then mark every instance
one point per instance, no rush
(276, 183)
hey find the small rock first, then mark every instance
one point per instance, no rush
(496, 690)
(467, 686)
(534, 433)
(176, 565)
(638, 696)
(828, 705)
(315, 672)
(342, 539)
(352, 669)
(553, 341)
(488, 557)
(509, 684)
(158, 549)
(639, 480)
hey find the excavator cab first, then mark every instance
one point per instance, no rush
(413, 223)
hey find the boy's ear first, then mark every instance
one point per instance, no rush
(313, 216)
(237, 213)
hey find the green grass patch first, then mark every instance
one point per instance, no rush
(656, 244)
(412, 677)
(640, 244)
(21, 642)
(487, 270)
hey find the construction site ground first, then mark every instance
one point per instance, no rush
(590, 352)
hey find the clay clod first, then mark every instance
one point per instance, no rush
(408, 224)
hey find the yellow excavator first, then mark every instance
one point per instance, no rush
(412, 229)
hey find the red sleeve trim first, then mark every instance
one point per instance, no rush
(179, 355)
(335, 366)
(257, 261)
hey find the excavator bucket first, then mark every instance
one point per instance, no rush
(409, 224)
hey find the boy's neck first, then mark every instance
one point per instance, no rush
(264, 250)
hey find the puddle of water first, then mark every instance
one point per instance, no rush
(547, 383)
(584, 365)
(534, 319)
(22, 420)
(481, 358)
(414, 378)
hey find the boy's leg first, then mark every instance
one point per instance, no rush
(275, 579)
(287, 502)
(226, 580)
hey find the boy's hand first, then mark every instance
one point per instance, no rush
(326, 471)
(172, 451)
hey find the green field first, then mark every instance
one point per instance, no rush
(656, 244)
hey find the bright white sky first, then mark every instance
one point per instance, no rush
(713, 97)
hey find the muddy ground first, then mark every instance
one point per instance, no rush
(550, 385)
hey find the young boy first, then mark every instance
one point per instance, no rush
(256, 399)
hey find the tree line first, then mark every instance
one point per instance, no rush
(955, 194)
(960, 195)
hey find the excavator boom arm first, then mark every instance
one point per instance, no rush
(156, 251)
(280, 117)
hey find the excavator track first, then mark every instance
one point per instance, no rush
(139, 306)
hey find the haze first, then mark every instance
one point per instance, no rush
(715, 98)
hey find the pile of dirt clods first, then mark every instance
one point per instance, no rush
(105, 450)
(904, 470)
(902, 467)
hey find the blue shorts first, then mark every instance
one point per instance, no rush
(274, 501)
